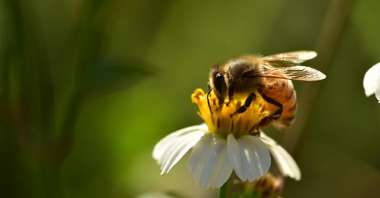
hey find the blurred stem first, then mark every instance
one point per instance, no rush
(87, 36)
(65, 140)
(5, 58)
(52, 180)
(87, 39)
(224, 189)
(231, 187)
(47, 101)
(38, 54)
(4, 89)
(332, 30)
(28, 48)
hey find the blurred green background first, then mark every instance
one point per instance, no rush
(88, 87)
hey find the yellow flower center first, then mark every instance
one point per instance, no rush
(220, 120)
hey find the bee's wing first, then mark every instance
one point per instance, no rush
(299, 73)
(289, 59)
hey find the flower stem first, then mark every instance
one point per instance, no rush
(224, 189)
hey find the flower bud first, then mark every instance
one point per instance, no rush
(268, 186)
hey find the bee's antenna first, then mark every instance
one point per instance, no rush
(208, 101)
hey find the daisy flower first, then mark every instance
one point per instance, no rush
(224, 143)
(371, 82)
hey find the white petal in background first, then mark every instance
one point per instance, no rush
(173, 147)
(371, 82)
(249, 157)
(377, 93)
(209, 164)
(285, 162)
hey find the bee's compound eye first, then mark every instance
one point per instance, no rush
(220, 84)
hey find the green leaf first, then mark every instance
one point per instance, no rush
(105, 76)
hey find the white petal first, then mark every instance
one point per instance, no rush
(166, 142)
(261, 154)
(234, 155)
(285, 162)
(253, 154)
(377, 93)
(371, 80)
(178, 149)
(225, 171)
(209, 163)
(255, 157)
(245, 161)
(217, 168)
(173, 147)
(199, 156)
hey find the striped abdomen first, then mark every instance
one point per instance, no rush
(282, 92)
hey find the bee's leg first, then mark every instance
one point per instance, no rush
(257, 133)
(231, 91)
(265, 121)
(276, 114)
(247, 102)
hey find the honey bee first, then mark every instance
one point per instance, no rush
(269, 76)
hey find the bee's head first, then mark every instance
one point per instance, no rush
(218, 82)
